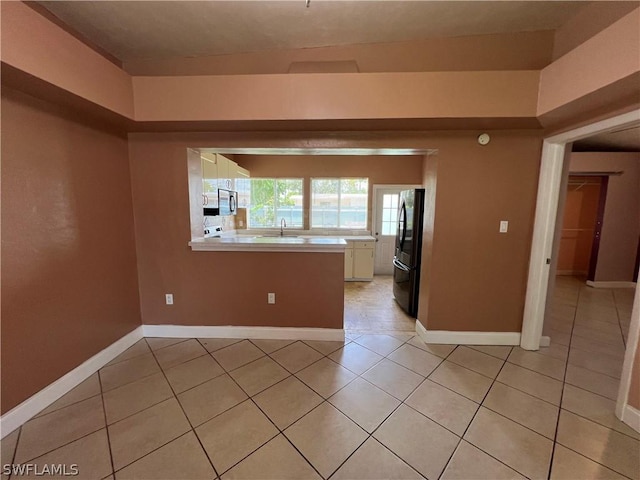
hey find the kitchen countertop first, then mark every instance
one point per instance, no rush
(247, 242)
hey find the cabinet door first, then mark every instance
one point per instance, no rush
(209, 181)
(363, 263)
(224, 175)
(348, 263)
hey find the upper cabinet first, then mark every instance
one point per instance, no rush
(220, 172)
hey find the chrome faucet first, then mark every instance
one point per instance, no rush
(283, 223)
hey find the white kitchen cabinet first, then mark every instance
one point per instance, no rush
(348, 261)
(358, 260)
(209, 180)
(227, 170)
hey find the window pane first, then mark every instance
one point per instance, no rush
(339, 202)
(386, 201)
(273, 199)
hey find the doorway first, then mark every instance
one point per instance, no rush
(582, 225)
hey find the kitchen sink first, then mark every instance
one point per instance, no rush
(277, 235)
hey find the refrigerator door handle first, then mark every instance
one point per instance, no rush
(399, 265)
(403, 220)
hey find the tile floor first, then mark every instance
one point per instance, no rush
(370, 307)
(374, 406)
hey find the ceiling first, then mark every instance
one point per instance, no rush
(131, 30)
(622, 140)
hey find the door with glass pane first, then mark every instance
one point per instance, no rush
(386, 222)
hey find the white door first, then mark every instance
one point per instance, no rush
(385, 228)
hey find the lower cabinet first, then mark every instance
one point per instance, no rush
(358, 261)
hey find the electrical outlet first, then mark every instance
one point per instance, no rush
(271, 298)
(168, 298)
(504, 226)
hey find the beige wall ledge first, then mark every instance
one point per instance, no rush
(269, 244)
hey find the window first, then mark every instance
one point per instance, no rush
(389, 213)
(275, 198)
(339, 202)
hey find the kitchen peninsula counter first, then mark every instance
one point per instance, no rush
(258, 243)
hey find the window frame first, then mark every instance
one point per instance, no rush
(276, 220)
(339, 179)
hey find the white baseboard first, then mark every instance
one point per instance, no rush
(545, 341)
(593, 284)
(270, 333)
(631, 417)
(45, 397)
(467, 338)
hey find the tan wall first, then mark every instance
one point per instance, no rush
(472, 263)
(621, 223)
(477, 275)
(69, 285)
(217, 288)
(391, 170)
(634, 389)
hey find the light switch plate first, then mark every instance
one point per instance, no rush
(504, 226)
(271, 298)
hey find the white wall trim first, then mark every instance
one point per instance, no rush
(45, 397)
(467, 338)
(551, 167)
(593, 284)
(629, 356)
(631, 417)
(545, 341)
(270, 333)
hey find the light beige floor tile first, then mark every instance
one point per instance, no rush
(559, 338)
(325, 347)
(596, 408)
(136, 396)
(296, 356)
(524, 409)
(277, 460)
(326, 377)
(8, 449)
(561, 352)
(415, 359)
(139, 348)
(552, 367)
(237, 355)
(569, 465)
(142, 433)
(210, 399)
(593, 382)
(597, 347)
(287, 401)
(182, 459)
(469, 462)
(372, 461)
(326, 437)
(404, 337)
(497, 351)
(364, 403)
(420, 442)
(600, 444)
(441, 351)
(270, 346)
(89, 454)
(128, 371)
(597, 362)
(356, 358)
(523, 450)
(381, 344)
(477, 361)
(393, 378)
(156, 343)
(87, 389)
(258, 375)
(192, 373)
(179, 353)
(231, 436)
(213, 344)
(597, 336)
(461, 380)
(46, 433)
(440, 404)
(531, 382)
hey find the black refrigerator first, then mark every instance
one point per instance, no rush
(408, 250)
